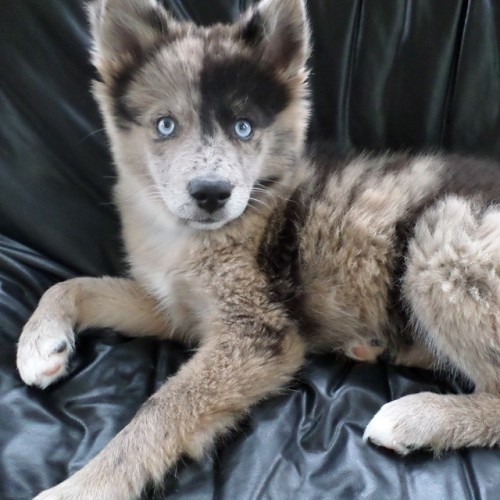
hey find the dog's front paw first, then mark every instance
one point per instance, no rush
(43, 351)
(88, 484)
(70, 491)
(56, 493)
(407, 424)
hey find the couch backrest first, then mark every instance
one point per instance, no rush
(386, 74)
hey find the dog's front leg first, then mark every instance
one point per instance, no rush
(48, 338)
(229, 373)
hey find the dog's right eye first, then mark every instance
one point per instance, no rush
(166, 126)
(243, 129)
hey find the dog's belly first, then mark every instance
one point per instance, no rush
(331, 322)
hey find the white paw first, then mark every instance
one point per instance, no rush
(68, 491)
(51, 494)
(43, 351)
(404, 425)
(85, 486)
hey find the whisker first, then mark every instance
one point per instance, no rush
(91, 134)
(255, 200)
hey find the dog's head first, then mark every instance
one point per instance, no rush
(204, 120)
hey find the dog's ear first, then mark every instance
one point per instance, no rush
(279, 30)
(124, 30)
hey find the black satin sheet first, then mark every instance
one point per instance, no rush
(413, 75)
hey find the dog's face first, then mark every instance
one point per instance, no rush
(206, 120)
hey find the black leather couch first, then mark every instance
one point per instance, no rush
(387, 74)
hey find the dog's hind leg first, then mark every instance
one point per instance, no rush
(230, 372)
(452, 286)
(48, 338)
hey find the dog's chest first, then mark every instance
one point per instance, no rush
(166, 264)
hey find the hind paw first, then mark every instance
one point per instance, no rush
(405, 425)
(43, 351)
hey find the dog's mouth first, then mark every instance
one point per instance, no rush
(211, 222)
(202, 221)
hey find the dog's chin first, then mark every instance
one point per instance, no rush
(213, 222)
(207, 225)
(208, 222)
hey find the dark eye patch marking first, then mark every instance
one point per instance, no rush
(238, 87)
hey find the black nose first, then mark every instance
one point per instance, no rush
(210, 194)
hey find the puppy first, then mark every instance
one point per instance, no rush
(241, 242)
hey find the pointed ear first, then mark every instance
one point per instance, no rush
(124, 30)
(279, 29)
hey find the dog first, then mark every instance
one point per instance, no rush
(257, 249)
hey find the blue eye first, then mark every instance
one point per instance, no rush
(166, 126)
(243, 129)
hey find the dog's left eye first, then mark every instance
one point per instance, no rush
(166, 126)
(243, 129)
